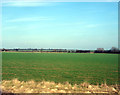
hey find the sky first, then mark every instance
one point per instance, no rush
(71, 25)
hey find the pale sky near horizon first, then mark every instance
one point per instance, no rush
(76, 25)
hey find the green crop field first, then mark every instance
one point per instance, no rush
(61, 67)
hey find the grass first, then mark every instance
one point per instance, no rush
(16, 86)
(61, 67)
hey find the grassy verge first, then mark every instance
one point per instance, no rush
(16, 86)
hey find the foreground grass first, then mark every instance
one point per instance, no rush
(16, 86)
(61, 67)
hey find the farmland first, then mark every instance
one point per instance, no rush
(61, 67)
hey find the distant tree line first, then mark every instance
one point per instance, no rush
(113, 50)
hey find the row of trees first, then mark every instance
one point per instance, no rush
(99, 50)
(112, 50)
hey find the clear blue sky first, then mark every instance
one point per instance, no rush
(76, 25)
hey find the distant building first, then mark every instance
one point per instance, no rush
(114, 49)
(100, 49)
